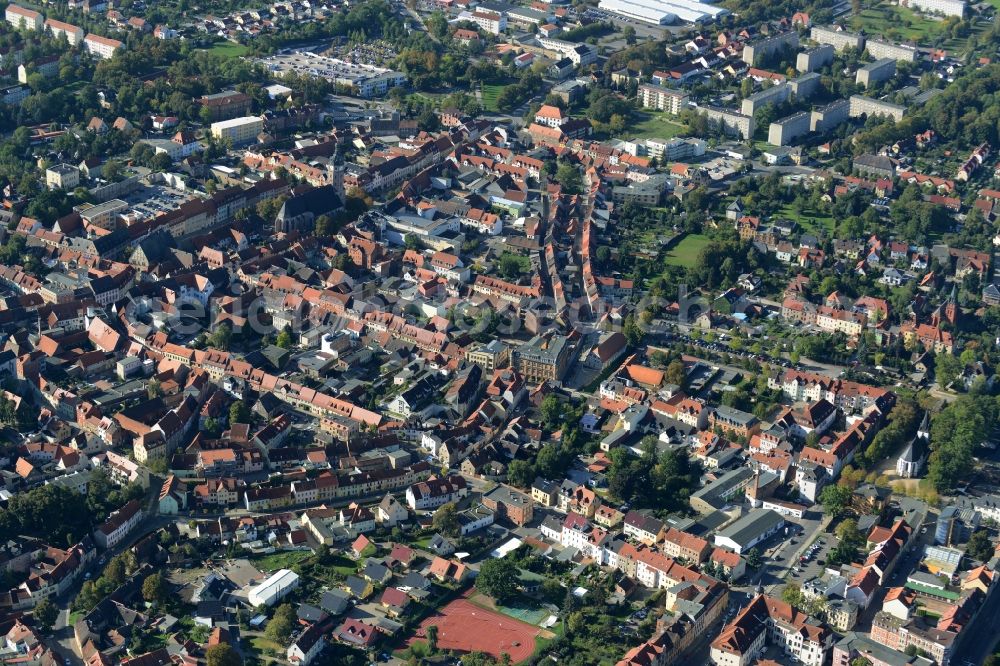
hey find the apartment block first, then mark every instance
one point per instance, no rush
(102, 47)
(774, 95)
(875, 72)
(662, 99)
(838, 39)
(786, 130)
(869, 106)
(490, 22)
(23, 18)
(764, 48)
(805, 86)
(239, 131)
(879, 49)
(829, 116)
(813, 59)
(732, 123)
(942, 7)
(74, 34)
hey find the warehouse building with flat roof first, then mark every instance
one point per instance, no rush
(664, 12)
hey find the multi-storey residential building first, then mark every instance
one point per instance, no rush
(899, 634)
(825, 118)
(543, 359)
(854, 645)
(62, 177)
(847, 395)
(507, 291)
(838, 39)
(494, 354)
(491, 22)
(869, 106)
(683, 546)
(764, 621)
(123, 471)
(835, 320)
(433, 493)
(23, 18)
(581, 54)
(776, 94)
(663, 99)
(74, 34)
(102, 47)
(785, 130)
(643, 527)
(886, 50)
(239, 131)
(510, 505)
(816, 58)
(734, 421)
(119, 524)
(876, 72)
(730, 122)
(942, 7)
(764, 48)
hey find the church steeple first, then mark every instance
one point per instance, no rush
(951, 310)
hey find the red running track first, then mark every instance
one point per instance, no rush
(465, 627)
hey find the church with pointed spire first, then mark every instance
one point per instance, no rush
(912, 459)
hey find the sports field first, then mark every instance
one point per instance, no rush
(464, 627)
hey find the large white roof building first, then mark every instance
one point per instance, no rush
(662, 12)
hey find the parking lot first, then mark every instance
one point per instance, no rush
(151, 200)
(812, 563)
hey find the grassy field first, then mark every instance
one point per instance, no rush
(647, 125)
(893, 22)
(809, 220)
(490, 95)
(281, 560)
(228, 49)
(685, 254)
(265, 646)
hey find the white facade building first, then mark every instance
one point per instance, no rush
(275, 588)
(21, 17)
(102, 47)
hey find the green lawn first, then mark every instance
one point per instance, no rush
(685, 254)
(653, 125)
(809, 220)
(894, 22)
(281, 560)
(228, 49)
(490, 94)
(263, 645)
(345, 566)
